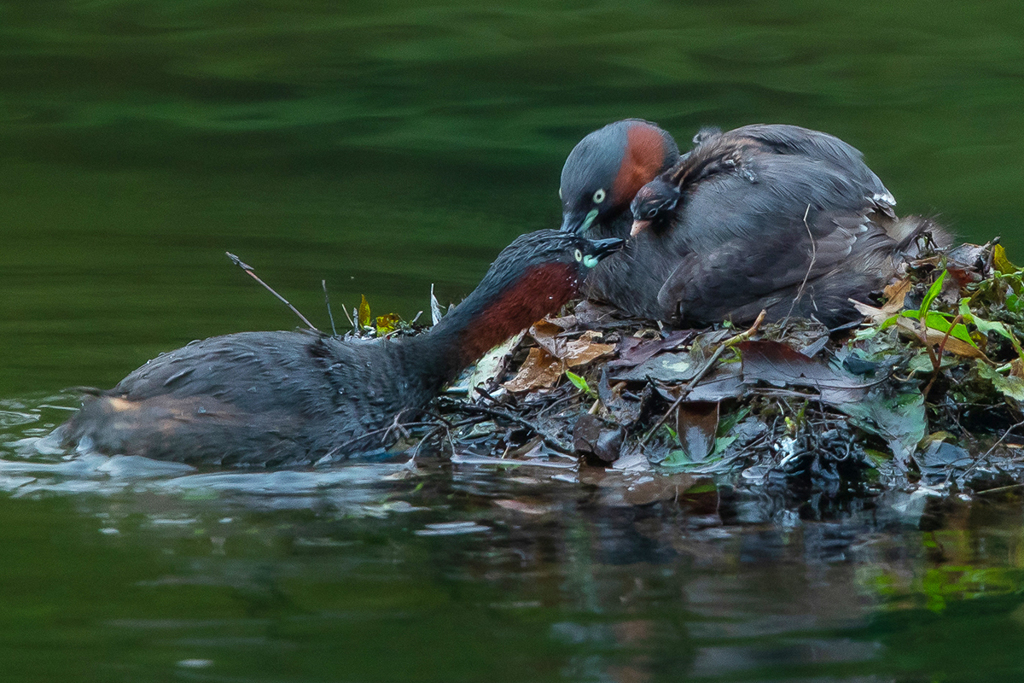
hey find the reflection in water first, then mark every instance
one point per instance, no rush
(432, 571)
(384, 147)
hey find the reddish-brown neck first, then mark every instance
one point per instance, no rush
(475, 327)
(641, 162)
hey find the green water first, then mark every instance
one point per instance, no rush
(384, 147)
(367, 574)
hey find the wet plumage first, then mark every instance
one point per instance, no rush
(293, 398)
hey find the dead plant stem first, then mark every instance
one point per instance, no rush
(248, 269)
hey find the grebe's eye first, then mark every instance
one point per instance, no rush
(599, 196)
(590, 260)
(578, 255)
(651, 213)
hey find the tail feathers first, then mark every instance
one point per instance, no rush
(916, 235)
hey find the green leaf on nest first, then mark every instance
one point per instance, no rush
(1000, 261)
(1011, 387)
(579, 382)
(386, 324)
(365, 319)
(929, 297)
(900, 419)
(942, 322)
(986, 326)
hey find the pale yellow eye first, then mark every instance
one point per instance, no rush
(599, 196)
(578, 255)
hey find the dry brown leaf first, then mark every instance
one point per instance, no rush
(895, 294)
(955, 346)
(696, 425)
(567, 322)
(875, 315)
(589, 313)
(574, 352)
(582, 351)
(541, 370)
(934, 337)
(545, 328)
(546, 335)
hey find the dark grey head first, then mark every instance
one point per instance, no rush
(566, 251)
(654, 205)
(606, 169)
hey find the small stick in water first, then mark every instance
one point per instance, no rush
(248, 269)
(351, 323)
(327, 300)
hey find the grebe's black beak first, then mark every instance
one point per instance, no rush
(578, 222)
(607, 246)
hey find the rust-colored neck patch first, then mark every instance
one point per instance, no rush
(641, 162)
(538, 292)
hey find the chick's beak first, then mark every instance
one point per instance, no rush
(606, 247)
(638, 227)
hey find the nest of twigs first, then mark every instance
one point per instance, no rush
(926, 392)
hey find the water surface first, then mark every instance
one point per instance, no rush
(119, 570)
(384, 147)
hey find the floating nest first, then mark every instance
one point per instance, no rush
(926, 393)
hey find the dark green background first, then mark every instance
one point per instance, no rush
(385, 146)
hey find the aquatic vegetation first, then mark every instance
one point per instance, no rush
(926, 392)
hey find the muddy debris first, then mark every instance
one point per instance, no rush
(926, 393)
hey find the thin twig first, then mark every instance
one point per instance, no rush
(979, 459)
(937, 367)
(548, 439)
(1001, 439)
(747, 333)
(327, 300)
(922, 335)
(731, 341)
(554, 404)
(397, 426)
(248, 269)
(510, 398)
(439, 429)
(351, 323)
(384, 432)
(685, 392)
(999, 489)
(810, 267)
